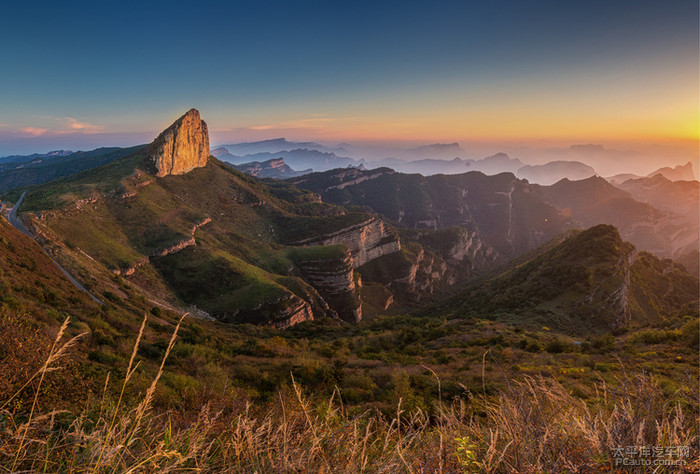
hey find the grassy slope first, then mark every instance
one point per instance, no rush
(123, 215)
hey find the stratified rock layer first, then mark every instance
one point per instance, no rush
(182, 147)
(366, 241)
(334, 279)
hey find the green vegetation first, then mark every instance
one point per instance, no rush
(292, 229)
(318, 252)
(401, 393)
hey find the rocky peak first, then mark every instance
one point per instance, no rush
(181, 147)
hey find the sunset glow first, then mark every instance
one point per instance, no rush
(506, 74)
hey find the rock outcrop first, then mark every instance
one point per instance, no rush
(366, 240)
(182, 147)
(295, 311)
(409, 274)
(334, 280)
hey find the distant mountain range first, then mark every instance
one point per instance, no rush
(19, 171)
(33, 157)
(275, 168)
(678, 173)
(511, 215)
(276, 145)
(438, 158)
(297, 158)
(554, 171)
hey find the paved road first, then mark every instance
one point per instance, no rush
(19, 225)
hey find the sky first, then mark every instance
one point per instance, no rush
(493, 75)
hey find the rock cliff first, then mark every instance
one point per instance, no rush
(409, 274)
(366, 240)
(182, 147)
(334, 280)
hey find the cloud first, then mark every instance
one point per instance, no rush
(52, 126)
(33, 131)
(74, 126)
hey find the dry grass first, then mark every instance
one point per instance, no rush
(533, 426)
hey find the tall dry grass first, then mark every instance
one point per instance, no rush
(533, 426)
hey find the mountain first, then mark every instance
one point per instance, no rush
(436, 151)
(594, 201)
(299, 158)
(495, 164)
(222, 154)
(589, 283)
(33, 157)
(182, 147)
(428, 167)
(680, 197)
(621, 178)
(188, 231)
(275, 168)
(276, 145)
(498, 163)
(43, 168)
(679, 173)
(550, 173)
(508, 214)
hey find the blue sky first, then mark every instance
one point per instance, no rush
(78, 74)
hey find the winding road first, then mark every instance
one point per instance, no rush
(19, 225)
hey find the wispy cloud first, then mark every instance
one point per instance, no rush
(53, 126)
(33, 131)
(74, 125)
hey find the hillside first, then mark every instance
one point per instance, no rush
(30, 280)
(591, 282)
(43, 168)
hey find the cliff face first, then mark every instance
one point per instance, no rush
(409, 274)
(182, 147)
(366, 241)
(282, 312)
(294, 312)
(463, 251)
(333, 278)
